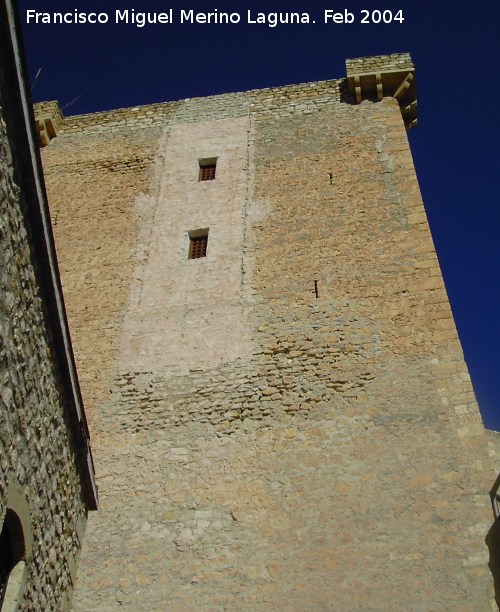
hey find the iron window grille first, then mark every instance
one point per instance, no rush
(207, 169)
(198, 242)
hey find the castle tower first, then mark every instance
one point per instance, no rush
(281, 413)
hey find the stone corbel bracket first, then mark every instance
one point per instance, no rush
(374, 78)
(49, 119)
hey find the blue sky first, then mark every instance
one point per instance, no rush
(456, 49)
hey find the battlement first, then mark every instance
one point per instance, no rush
(377, 77)
(395, 62)
(368, 78)
(49, 117)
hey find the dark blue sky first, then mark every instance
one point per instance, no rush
(455, 46)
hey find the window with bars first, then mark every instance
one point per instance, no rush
(207, 169)
(198, 242)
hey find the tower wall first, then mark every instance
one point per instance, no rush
(288, 422)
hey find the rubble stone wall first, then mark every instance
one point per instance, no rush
(39, 478)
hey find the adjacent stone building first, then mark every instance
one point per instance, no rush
(282, 414)
(46, 473)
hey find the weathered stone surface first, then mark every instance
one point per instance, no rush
(37, 459)
(379, 63)
(259, 447)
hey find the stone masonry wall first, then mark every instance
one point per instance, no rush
(287, 423)
(394, 62)
(36, 460)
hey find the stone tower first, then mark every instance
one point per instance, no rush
(281, 413)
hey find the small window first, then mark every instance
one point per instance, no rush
(207, 169)
(198, 242)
